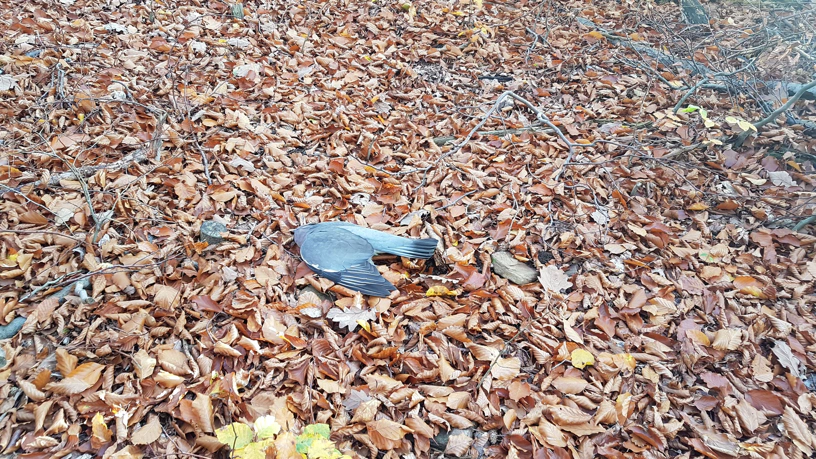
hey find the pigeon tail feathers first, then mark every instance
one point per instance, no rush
(411, 248)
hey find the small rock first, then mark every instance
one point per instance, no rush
(8, 331)
(506, 266)
(211, 232)
(77, 288)
(440, 441)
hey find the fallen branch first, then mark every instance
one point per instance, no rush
(441, 141)
(802, 90)
(87, 171)
(696, 68)
(540, 116)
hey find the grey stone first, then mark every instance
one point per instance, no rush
(505, 265)
(211, 232)
(440, 441)
(78, 288)
(11, 329)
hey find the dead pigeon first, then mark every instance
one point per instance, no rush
(341, 252)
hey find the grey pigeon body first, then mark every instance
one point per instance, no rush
(341, 252)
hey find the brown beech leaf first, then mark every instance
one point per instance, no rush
(458, 445)
(565, 415)
(143, 364)
(65, 362)
(798, 431)
(484, 353)
(79, 380)
(549, 434)
(148, 433)
(506, 369)
(174, 362)
(386, 434)
(166, 297)
(569, 384)
(198, 412)
(366, 411)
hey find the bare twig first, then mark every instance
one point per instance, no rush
(441, 141)
(540, 116)
(786, 105)
(87, 171)
(453, 203)
(54, 233)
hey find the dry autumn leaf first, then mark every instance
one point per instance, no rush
(659, 222)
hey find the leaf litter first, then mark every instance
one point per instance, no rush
(670, 317)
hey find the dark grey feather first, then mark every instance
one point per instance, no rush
(341, 252)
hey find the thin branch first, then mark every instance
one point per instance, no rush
(54, 233)
(786, 105)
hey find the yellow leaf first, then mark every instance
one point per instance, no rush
(101, 432)
(629, 360)
(236, 435)
(698, 206)
(753, 291)
(794, 165)
(580, 358)
(478, 4)
(322, 448)
(746, 126)
(441, 290)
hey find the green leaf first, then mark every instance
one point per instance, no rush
(707, 257)
(318, 429)
(310, 434)
(236, 435)
(704, 113)
(690, 109)
(731, 120)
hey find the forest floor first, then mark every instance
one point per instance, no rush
(660, 226)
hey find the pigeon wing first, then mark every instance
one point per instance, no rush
(363, 278)
(344, 258)
(383, 242)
